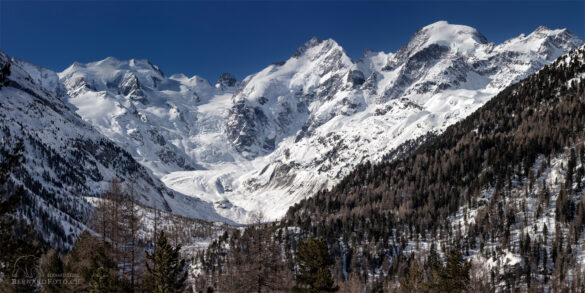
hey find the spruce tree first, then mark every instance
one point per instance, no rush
(166, 269)
(314, 262)
(94, 263)
(100, 281)
(53, 274)
(454, 275)
(414, 280)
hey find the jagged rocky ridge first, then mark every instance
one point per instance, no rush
(300, 125)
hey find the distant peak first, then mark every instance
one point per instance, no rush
(133, 62)
(110, 60)
(77, 64)
(543, 31)
(226, 80)
(178, 76)
(457, 37)
(156, 68)
(560, 38)
(443, 30)
(440, 23)
(314, 42)
(139, 62)
(543, 28)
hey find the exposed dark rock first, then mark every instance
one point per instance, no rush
(356, 78)
(226, 80)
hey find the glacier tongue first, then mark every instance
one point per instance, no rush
(298, 126)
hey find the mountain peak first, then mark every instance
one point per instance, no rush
(312, 43)
(544, 40)
(109, 60)
(544, 32)
(113, 62)
(460, 38)
(139, 62)
(442, 31)
(542, 28)
(226, 80)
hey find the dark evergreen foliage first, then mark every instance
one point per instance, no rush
(166, 269)
(52, 274)
(453, 276)
(314, 261)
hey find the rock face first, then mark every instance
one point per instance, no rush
(300, 125)
(226, 81)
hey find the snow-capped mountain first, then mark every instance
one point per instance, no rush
(305, 123)
(67, 159)
(297, 126)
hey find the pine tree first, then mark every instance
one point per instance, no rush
(314, 261)
(166, 269)
(414, 280)
(454, 275)
(53, 274)
(93, 262)
(100, 281)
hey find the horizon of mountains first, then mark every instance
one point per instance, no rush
(228, 151)
(451, 165)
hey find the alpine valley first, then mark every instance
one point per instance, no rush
(297, 126)
(302, 140)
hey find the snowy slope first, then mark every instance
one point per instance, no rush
(67, 158)
(298, 126)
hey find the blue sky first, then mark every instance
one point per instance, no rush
(242, 37)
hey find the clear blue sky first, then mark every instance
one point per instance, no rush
(242, 37)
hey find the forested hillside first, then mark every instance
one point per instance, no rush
(497, 197)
